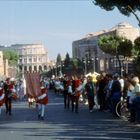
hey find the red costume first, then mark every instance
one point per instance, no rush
(8, 87)
(43, 97)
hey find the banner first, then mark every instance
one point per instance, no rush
(32, 84)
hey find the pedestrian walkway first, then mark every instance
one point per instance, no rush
(62, 124)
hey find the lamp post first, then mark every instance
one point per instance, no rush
(93, 60)
(60, 70)
(55, 69)
(94, 63)
(85, 65)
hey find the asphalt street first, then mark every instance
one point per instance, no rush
(62, 124)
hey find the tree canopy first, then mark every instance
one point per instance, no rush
(109, 43)
(137, 61)
(137, 44)
(67, 60)
(58, 59)
(122, 5)
(126, 7)
(116, 46)
(113, 44)
(11, 56)
(126, 48)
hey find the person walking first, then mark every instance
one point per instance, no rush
(90, 91)
(101, 93)
(115, 93)
(65, 92)
(42, 101)
(75, 95)
(8, 89)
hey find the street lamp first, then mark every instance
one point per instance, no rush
(93, 60)
(85, 66)
(55, 69)
(94, 63)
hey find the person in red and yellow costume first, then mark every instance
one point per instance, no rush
(42, 101)
(8, 89)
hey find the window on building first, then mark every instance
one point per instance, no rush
(25, 60)
(20, 68)
(34, 51)
(30, 51)
(30, 60)
(34, 59)
(30, 68)
(40, 59)
(40, 68)
(45, 67)
(35, 68)
(20, 60)
(25, 68)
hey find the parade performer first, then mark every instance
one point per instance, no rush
(42, 100)
(2, 98)
(8, 89)
(75, 94)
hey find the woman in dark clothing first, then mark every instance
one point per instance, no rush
(101, 94)
(115, 93)
(89, 88)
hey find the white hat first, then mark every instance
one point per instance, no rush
(12, 79)
(42, 87)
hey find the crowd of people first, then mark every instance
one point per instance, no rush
(108, 90)
(15, 90)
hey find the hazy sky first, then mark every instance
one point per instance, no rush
(54, 23)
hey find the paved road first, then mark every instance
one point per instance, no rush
(61, 124)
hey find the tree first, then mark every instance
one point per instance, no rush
(116, 46)
(67, 60)
(126, 48)
(126, 7)
(11, 56)
(137, 45)
(137, 61)
(66, 64)
(109, 43)
(58, 59)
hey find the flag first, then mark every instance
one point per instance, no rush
(32, 83)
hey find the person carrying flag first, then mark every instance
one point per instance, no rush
(42, 101)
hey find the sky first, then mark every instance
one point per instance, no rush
(54, 23)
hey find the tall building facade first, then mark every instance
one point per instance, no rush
(32, 57)
(87, 48)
